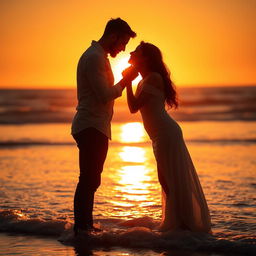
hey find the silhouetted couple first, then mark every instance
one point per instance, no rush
(184, 205)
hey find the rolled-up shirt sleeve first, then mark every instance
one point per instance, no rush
(95, 71)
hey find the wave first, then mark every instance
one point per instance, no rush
(136, 233)
(15, 221)
(116, 143)
(57, 106)
(190, 114)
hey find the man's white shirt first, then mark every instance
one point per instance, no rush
(95, 91)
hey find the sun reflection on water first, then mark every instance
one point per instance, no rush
(134, 180)
(132, 132)
(133, 154)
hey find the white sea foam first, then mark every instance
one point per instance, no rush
(136, 233)
(16, 222)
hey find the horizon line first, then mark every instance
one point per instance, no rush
(68, 87)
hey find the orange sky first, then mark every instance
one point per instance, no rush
(203, 42)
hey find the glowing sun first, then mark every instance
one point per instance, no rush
(119, 64)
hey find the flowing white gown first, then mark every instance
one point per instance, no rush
(183, 201)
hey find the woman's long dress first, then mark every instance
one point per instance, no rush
(183, 201)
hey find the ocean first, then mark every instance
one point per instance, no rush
(39, 172)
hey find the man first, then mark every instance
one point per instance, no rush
(91, 125)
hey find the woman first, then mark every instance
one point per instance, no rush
(184, 204)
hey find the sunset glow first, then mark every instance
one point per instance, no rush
(203, 42)
(96, 163)
(119, 64)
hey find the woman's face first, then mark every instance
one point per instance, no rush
(136, 57)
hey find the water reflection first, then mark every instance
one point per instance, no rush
(133, 178)
(133, 154)
(134, 182)
(132, 132)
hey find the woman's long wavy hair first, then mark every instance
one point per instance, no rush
(155, 64)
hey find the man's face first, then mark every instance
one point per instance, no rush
(118, 45)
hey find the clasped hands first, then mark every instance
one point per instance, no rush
(129, 74)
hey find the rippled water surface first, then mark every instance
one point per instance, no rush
(39, 171)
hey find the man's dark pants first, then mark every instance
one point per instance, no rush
(93, 147)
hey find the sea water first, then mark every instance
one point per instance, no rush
(39, 172)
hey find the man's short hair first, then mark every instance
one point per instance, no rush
(119, 27)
